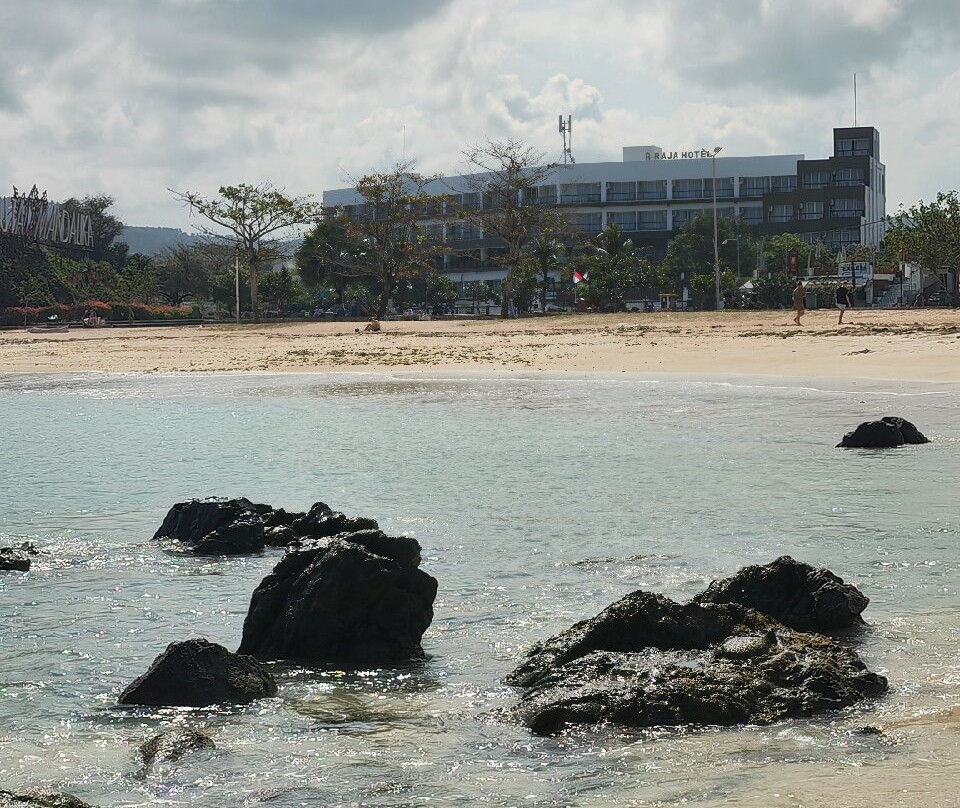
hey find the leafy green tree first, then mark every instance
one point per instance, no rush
(106, 227)
(689, 258)
(385, 242)
(928, 233)
(441, 291)
(183, 272)
(280, 288)
(482, 292)
(504, 173)
(253, 215)
(135, 283)
(544, 256)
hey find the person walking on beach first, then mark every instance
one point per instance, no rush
(799, 301)
(844, 300)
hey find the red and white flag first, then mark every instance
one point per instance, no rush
(580, 277)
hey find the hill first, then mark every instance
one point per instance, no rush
(154, 240)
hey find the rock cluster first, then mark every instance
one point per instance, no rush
(40, 798)
(225, 526)
(886, 433)
(647, 660)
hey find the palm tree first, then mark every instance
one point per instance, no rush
(546, 254)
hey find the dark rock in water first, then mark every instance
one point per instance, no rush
(886, 433)
(197, 673)
(356, 598)
(14, 560)
(910, 433)
(279, 536)
(320, 522)
(173, 745)
(40, 798)
(215, 526)
(648, 661)
(802, 597)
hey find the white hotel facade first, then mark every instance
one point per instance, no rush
(654, 193)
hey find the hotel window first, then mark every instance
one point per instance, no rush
(586, 223)
(470, 201)
(846, 207)
(681, 218)
(850, 147)
(848, 176)
(433, 231)
(625, 220)
(754, 186)
(752, 214)
(688, 189)
(621, 191)
(816, 179)
(542, 195)
(724, 187)
(433, 206)
(811, 210)
(580, 192)
(725, 213)
(783, 182)
(780, 213)
(652, 220)
(652, 189)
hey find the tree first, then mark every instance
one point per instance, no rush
(184, 271)
(135, 283)
(928, 233)
(441, 292)
(483, 292)
(386, 243)
(106, 228)
(505, 174)
(252, 214)
(689, 259)
(544, 256)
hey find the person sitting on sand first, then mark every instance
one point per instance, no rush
(373, 325)
(799, 301)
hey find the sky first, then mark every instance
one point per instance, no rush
(132, 98)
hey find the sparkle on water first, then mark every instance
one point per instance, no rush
(538, 501)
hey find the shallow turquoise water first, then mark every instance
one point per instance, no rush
(538, 501)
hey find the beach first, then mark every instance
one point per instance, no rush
(901, 344)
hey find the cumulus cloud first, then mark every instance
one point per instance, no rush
(130, 97)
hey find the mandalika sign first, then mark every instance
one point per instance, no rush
(34, 218)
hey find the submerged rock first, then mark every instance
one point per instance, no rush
(197, 673)
(647, 660)
(353, 598)
(800, 596)
(889, 432)
(14, 560)
(40, 798)
(173, 745)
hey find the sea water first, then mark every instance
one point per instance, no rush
(538, 501)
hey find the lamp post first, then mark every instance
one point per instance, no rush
(236, 281)
(727, 240)
(716, 246)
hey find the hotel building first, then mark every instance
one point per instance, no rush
(653, 193)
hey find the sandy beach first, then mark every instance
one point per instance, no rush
(912, 344)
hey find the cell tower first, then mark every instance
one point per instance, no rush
(566, 129)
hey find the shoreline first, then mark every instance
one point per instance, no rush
(918, 345)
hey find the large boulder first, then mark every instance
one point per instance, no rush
(353, 598)
(802, 597)
(197, 673)
(40, 798)
(214, 526)
(889, 432)
(648, 661)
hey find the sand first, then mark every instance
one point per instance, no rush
(907, 345)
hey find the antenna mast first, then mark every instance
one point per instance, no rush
(566, 129)
(854, 99)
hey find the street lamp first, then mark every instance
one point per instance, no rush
(727, 240)
(716, 246)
